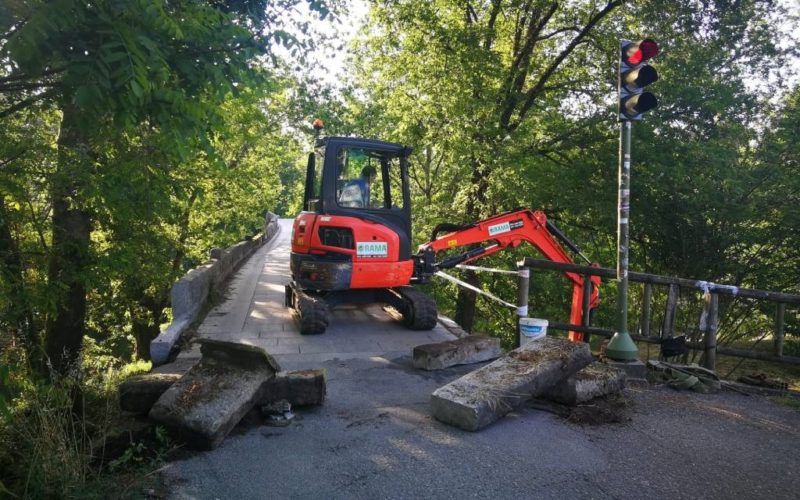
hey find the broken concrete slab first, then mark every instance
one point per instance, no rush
(237, 354)
(177, 367)
(210, 399)
(481, 397)
(139, 393)
(299, 388)
(597, 379)
(463, 351)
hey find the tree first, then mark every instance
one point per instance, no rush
(490, 67)
(112, 69)
(512, 105)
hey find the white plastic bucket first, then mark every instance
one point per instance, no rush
(531, 329)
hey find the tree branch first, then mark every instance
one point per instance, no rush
(536, 89)
(24, 103)
(518, 72)
(487, 43)
(556, 32)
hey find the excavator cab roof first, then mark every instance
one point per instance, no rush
(398, 149)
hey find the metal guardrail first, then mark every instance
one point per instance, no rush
(709, 316)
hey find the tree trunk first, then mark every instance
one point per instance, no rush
(69, 254)
(144, 331)
(465, 303)
(18, 315)
(147, 326)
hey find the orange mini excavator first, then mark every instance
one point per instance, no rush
(352, 242)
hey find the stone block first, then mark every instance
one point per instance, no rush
(139, 393)
(299, 388)
(463, 351)
(481, 397)
(635, 370)
(597, 379)
(161, 346)
(210, 399)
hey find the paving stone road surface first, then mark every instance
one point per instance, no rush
(374, 437)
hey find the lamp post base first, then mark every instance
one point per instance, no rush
(622, 348)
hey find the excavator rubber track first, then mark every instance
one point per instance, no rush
(418, 310)
(313, 313)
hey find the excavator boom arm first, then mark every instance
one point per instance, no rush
(510, 230)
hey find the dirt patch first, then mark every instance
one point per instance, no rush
(613, 409)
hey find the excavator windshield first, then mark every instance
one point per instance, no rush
(368, 178)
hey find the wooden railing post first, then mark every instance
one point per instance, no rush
(647, 298)
(668, 329)
(586, 319)
(711, 310)
(778, 341)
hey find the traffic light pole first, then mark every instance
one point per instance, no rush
(622, 346)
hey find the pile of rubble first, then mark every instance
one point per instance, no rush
(202, 405)
(551, 368)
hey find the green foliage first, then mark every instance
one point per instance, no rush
(709, 202)
(158, 125)
(163, 127)
(141, 455)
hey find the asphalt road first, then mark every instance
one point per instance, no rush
(374, 438)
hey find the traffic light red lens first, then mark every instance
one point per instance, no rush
(635, 58)
(648, 49)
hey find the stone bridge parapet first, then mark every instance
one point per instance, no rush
(190, 293)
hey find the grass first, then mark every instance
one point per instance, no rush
(54, 440)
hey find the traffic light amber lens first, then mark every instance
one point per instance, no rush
(639, 78)
(645, 76)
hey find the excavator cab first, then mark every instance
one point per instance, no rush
(352, 242)
(361, 178)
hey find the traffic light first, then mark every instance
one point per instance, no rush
(634, 75)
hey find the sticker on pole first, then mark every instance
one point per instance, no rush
(372, 249)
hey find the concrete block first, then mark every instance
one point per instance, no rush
(210, 399)
(467, 350)
(452, 327)
(179, 366)
(139, 393)
(189, 293)
(635, 370)
(161, 346)
(490, 392)
(299, 388)
(597, 379)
